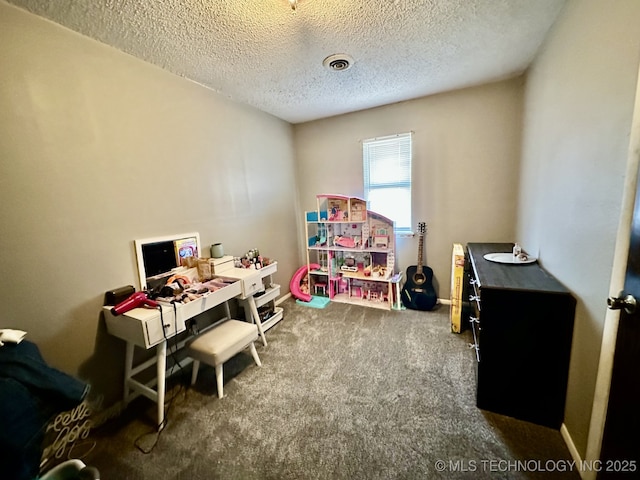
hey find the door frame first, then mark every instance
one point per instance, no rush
(612, 317)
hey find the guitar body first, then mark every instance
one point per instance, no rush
(418, 292)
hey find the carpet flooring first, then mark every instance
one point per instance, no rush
(345, 392)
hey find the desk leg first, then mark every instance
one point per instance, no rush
(227, 311)
(248, 314)
(256, 317)
(161, 369)
(128, 368)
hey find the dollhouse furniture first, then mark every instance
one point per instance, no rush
(317, 286)
(219, 344)
(356, 249)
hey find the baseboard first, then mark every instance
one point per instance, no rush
(283, 298)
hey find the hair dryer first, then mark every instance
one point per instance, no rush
(134, 301)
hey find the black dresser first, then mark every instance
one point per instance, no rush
(522, 323)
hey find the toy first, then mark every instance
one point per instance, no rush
(344, 241)
(299, 284)
(381, 241)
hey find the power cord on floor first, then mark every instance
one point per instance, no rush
(181, 387)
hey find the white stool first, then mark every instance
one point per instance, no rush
(219, 344)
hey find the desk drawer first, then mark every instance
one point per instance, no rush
(144, 327)
(251, 280)
(252, 285)
(208, 301)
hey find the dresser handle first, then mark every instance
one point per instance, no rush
(473, 345)
(474, 320)
(474, 298)
(473, 281)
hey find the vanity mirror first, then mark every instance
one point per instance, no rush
(158, 256)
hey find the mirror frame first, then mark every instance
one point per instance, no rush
(142, 273)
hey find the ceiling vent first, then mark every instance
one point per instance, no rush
(338, 62)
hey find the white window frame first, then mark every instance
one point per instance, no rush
(383, 153)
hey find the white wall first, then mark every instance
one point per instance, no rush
(97, 149)
(466, 148)
(578, 109)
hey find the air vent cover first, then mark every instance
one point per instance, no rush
(338, 62)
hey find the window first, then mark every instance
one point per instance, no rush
(387, 178)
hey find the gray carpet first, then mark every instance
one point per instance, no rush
(345, 392)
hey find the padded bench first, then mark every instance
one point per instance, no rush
(219, 344)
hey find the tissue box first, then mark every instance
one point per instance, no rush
(457, 279)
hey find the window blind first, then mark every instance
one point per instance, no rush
(387, 177)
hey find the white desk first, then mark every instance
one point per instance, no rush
(148, 328)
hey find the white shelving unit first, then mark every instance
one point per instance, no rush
(266, 298)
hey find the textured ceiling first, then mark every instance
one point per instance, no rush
(262, 53)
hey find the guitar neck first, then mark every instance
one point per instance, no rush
(420, 248)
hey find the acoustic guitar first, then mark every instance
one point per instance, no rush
(418, 292)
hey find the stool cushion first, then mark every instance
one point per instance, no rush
(222, 342)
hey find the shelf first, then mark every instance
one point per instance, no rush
(270, 294)
(364, 278)
(354, 249)
(318, 272)
(333, 222)
(268, 270)
(271, 321)
(345, 298)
